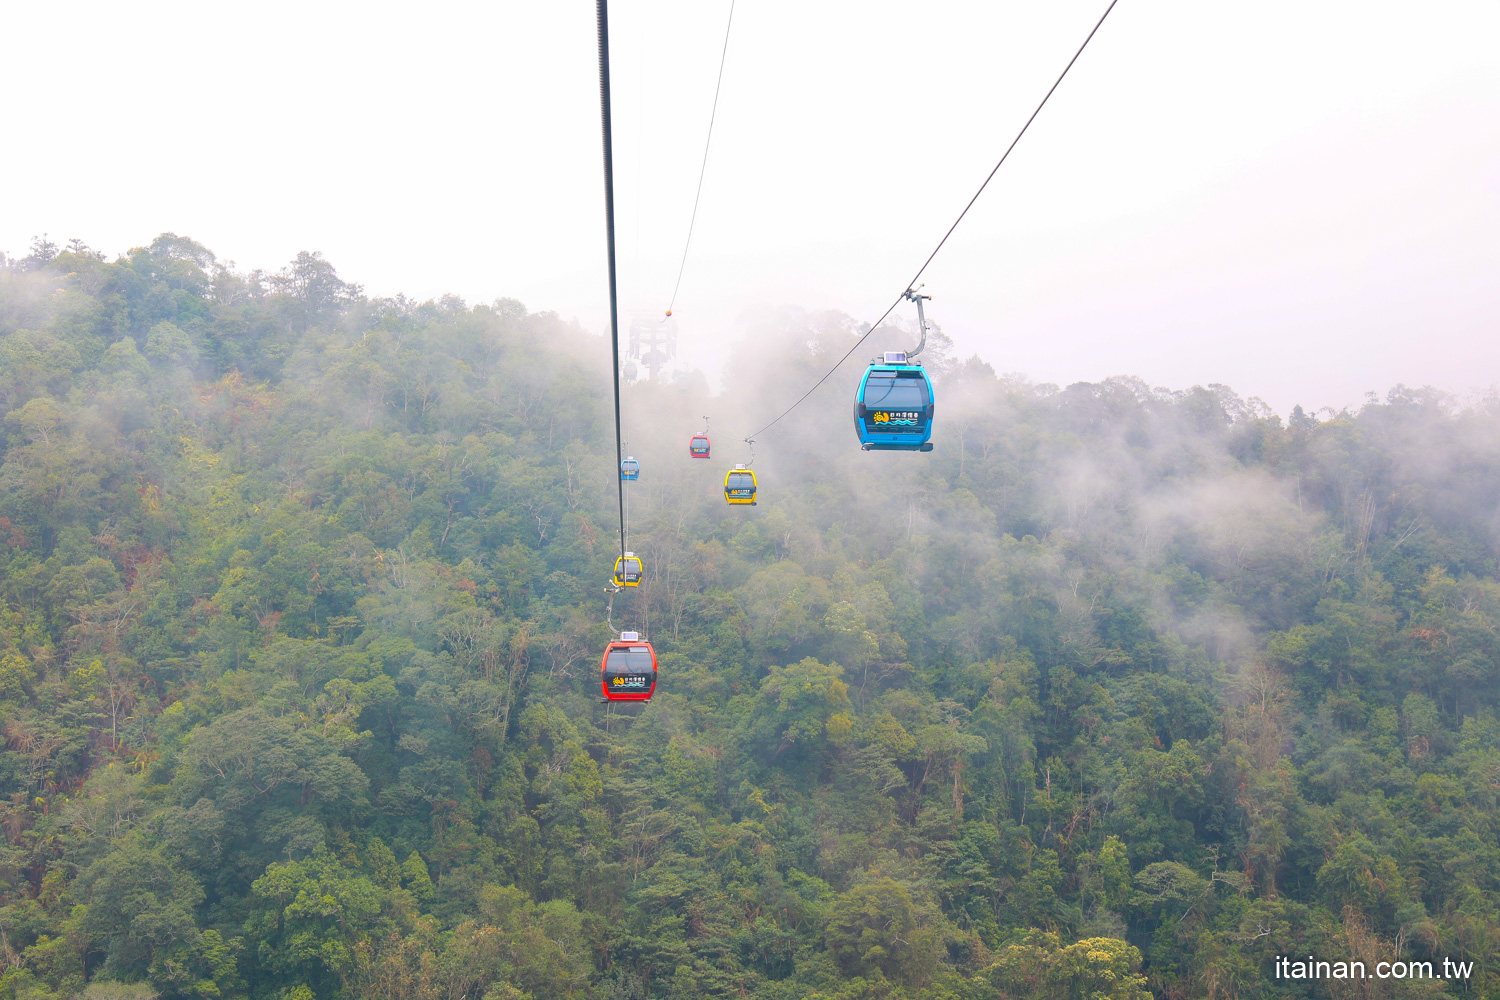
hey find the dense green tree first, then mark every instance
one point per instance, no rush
(1119, 689)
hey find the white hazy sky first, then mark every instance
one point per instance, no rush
(1298, 198)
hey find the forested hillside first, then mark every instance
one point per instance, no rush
(1119, 692)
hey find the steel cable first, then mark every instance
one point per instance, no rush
(913, 282)
(723, 55)
(609, 227)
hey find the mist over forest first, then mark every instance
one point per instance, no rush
(1121, 692)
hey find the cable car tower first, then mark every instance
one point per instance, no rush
(653, 342)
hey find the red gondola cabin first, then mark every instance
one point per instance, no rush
(628, 671)
(698, 447)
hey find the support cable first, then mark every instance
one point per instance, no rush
(609, 227)
(911, 285)
(704, 168)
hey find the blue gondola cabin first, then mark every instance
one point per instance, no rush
(894, 407)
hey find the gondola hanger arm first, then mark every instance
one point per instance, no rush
(915, 295)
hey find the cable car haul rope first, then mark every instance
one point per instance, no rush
(911, 286)
(702, 170)
(609, 229)
(628, 670)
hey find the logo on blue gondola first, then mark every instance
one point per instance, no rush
(897, 418)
